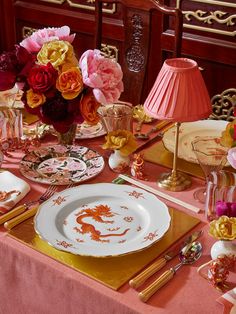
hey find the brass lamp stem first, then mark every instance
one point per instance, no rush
(177, 124)
(175, 181)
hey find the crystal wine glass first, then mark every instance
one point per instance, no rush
(211, 156)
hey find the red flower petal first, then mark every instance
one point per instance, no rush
(7, 80)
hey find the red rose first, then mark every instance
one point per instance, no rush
(42, 78)
(14, 67)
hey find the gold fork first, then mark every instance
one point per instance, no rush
(23, 212)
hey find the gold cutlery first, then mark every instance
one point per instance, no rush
(154, 139)
(23, 212)
(189, 256)
(159, 126)
(161, 262)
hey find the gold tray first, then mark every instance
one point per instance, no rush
(158, 154)
(110, 271)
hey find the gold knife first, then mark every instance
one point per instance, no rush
(154, 139)
(161, 262)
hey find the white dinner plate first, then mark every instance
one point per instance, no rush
(61, 165)
(189, 131)
(102, 220)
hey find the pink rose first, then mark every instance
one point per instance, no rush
(232, 157)
(102, 74)
(34, 42)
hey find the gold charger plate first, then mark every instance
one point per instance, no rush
(110, 271)
(158, 154)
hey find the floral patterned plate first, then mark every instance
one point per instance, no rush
(102, 220)
(189, 131)
(60, 165)
(85, 130)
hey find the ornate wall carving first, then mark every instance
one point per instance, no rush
(84, 4)
(134, 55)
(219, 16)
(223, 105)
(110, 51)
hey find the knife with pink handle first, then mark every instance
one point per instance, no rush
(161, 262)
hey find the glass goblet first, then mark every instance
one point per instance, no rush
(211, 156)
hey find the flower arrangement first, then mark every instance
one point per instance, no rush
(223, 228)
(121, 140)
(228, 139)
(60, 89)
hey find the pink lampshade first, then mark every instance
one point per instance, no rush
(179, 93)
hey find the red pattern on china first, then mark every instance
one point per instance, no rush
(97, 213)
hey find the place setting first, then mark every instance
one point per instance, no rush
(109, 236)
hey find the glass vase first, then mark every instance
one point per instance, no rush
(211, 156)
(68, 137)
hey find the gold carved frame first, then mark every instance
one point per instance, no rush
(82, 6)
(218, 16)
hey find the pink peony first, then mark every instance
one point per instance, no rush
(34, 42)
(102, 74)
(232, 157)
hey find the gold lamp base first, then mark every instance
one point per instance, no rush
(174, 181)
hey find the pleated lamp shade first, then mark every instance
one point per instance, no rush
(179, 93)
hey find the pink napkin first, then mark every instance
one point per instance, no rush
(12, 190)
(229, 301)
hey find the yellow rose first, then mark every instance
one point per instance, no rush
(121, 139)
(59, 53)
(223, 228)
(70, 83)
(34, 99)
(227, 136)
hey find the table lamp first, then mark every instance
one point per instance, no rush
(179, 94)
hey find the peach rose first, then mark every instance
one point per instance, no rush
(34, 99)
(70, 83)
(88, 109)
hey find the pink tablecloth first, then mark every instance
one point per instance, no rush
(32, 283)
